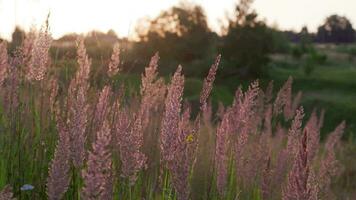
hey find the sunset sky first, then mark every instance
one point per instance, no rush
(121, 15)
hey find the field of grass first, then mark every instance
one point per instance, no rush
(72, 131)
(331, 86)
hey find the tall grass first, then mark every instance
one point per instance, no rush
(72, 139)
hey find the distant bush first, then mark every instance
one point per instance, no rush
(281, 43)
(352, 53)
(313, 58)
(297, 52)
(308, 66)
(317, 57)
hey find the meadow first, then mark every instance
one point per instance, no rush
(72, 131)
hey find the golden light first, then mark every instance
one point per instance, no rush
(81, 16)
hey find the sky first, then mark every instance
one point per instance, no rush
(80, 16)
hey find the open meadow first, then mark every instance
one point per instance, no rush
(68, 135)
(177, 100)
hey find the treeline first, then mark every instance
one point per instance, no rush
(181, 35)
(336, 29)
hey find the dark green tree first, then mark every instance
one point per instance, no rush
(305, 39)
(247, 43)
(336, 29)
(304, 44)
(280, 40)
(181, 35)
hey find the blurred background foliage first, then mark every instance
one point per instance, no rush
(323, 64)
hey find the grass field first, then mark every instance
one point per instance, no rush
(331, 86)
(74, 131)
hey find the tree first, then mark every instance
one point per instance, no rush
(336, 29)
(247, 43)
(180, 34)
(305, 39)
(281, 41)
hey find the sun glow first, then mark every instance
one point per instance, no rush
(81, 16)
